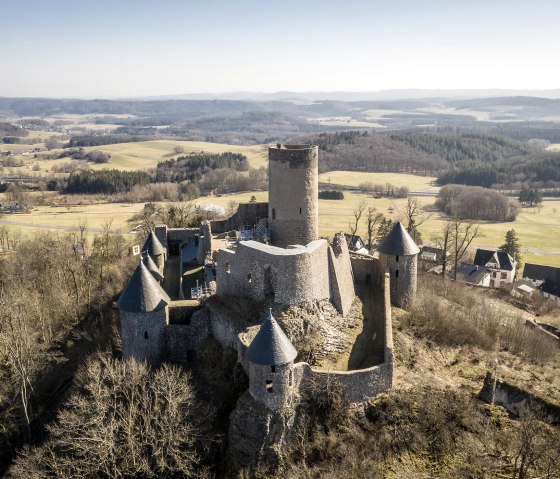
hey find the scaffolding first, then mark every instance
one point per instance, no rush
(200, 292)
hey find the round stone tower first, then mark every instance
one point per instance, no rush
(144, 315)
(293, 194)
(271, 358)
(399, 254)
(155, 249)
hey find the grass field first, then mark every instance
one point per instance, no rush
(537, 231)
(145, 154)
(354, 178)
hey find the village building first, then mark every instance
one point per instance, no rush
(501, 265)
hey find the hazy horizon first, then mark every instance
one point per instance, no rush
(139, 49)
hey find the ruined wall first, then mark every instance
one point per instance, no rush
(293, 276)
(403, 274)
(204, 242)
(142, 335)
(224, 327)
(340, 275)
(183, 341)
(367, 269)
(293, 194)
(517, 401)
(247, 214)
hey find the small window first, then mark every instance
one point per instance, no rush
(228, 268)
(396, 273)
(397, 258)
(504, 275)
(191, 355)
(273, 213)
(273, 368)
(145, 334)
(300, 211)
(269, 387)
(249, 278)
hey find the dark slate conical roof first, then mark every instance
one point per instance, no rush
(152, 267)
(142, 293)
(398, 242)
(271, 346)
(152, 245)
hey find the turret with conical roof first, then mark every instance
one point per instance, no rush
(154, 247)
(270, 357)
(399, 254)
(152, 267)
(144, 315)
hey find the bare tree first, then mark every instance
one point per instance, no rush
(443, 242)
(462, 235)
(373, 219)
(414, 218)
(357, 215)
(140, 423)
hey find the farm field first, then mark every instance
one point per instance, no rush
(143, 155)
(538, 232)
(354, 178)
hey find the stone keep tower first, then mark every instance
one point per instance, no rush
(144, 315)
(271, 358)
(293, 194)
(399, 254)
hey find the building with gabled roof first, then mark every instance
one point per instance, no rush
(500, 263)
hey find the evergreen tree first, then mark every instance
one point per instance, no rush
(512, 246)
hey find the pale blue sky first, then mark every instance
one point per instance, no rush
(123, 48)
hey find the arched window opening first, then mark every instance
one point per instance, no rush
(269, 387)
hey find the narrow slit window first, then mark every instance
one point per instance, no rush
(273, 368)
(145, 334)
(269, 387)
(397, 273)
(249, 278)
(273, 213)
(397, 259)
(300, 211)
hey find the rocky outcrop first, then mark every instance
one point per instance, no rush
(257, 435)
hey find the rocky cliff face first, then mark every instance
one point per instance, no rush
(257, 435)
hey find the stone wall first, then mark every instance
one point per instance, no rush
(184, 341)
(143, 335)
(367, 269)
(517, 401)
(247, 214)
(224, 327)
(293, 275)
(205, 242)
(293, 194)
(340, 273)
(358, 385)
(403, 275)
(272, 385)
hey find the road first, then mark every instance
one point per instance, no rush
(58, 227)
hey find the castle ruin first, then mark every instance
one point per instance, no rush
(280, 261)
